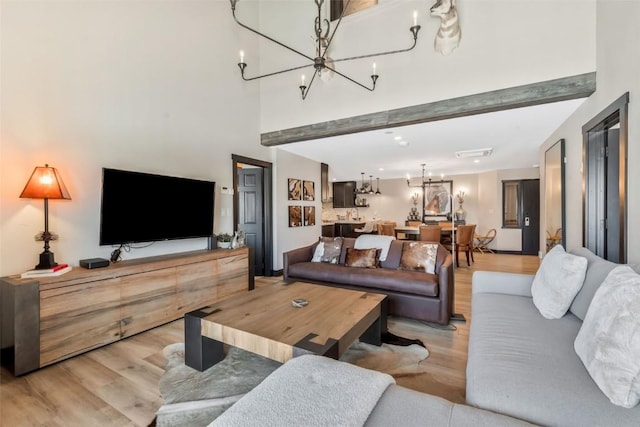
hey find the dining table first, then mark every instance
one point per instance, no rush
(415, 231)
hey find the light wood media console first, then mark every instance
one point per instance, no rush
(53, 318)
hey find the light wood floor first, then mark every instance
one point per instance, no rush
(117, 385)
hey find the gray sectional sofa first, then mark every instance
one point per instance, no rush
(318, 391)
(524, 365)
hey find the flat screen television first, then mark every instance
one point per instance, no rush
(142, 207)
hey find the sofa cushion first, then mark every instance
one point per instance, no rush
(363, 258)
(597, 270)
(524, 365)
(378, 280)
(609, 340)
(408, 408)
(383, 243)
(557, 282)
(328, 250)
(419, 256)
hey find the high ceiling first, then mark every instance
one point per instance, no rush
(514, 135)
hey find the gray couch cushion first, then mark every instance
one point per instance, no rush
(597, 270)
(407, 408)
(524, 365)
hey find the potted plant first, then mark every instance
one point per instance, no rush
(224, 240)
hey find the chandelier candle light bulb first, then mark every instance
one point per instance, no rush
(415, 18)
(242, 56)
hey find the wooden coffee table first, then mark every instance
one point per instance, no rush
(263, 321)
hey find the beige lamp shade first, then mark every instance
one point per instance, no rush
(45, 183)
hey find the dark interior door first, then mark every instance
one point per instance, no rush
(251, 213)
(530, 216)
(602, 216)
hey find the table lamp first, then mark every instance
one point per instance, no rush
(45, 183)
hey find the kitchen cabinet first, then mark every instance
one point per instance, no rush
(344, 194)
(347, 229)
(328, 230)
(325, 188)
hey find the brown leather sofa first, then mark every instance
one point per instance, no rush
(413, 294)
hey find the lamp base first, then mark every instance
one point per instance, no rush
(46, 261)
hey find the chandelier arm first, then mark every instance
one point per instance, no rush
(370, 89)
(326, 49)
(233, 11)
(305, 91)
(415, 42)
(247, 79)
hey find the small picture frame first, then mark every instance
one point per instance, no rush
(295, 216)
(309, 215)
(295, 189)
(308, 191)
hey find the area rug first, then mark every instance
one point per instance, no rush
(194, 398)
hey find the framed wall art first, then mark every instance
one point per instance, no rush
(308, 191)
(295, 216)
(295, 189)
(437, 198)
(309, 215)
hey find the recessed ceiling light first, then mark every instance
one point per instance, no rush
(397, 138)
(476, 161)
(482, 152)
(380, 169)
(403, 143)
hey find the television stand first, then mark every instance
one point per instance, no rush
(50, 319)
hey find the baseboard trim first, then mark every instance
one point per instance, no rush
(507, 252)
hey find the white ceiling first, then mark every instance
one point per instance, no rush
(514, 135)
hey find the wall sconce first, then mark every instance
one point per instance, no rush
(460, 196)
(45, 183)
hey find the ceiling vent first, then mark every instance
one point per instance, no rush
(482, 152)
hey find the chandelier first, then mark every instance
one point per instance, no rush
(423, 183)
(321, 63)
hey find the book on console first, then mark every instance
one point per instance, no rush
(47, 272)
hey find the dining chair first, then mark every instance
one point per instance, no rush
(387, 229)
(369, 228)
(430, 233)
(482, 241)
(464, 241)
(414, 223)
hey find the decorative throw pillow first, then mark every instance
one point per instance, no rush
(328, 250)
(365, 258)
(608, 342)
(419, 256)
(557, 281)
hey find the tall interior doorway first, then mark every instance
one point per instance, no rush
(252, 210)
(605, 182)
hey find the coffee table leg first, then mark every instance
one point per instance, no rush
(200, 352)
(373, 335)
(306, 346)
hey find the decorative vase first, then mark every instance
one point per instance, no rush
(224, 245)
(461, 214)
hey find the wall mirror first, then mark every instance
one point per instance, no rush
(554, 159)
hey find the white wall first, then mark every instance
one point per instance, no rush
(618, 68)
(289, 165)
(146, 86)
(504, 43)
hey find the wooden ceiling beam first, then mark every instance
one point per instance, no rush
(562, 89)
